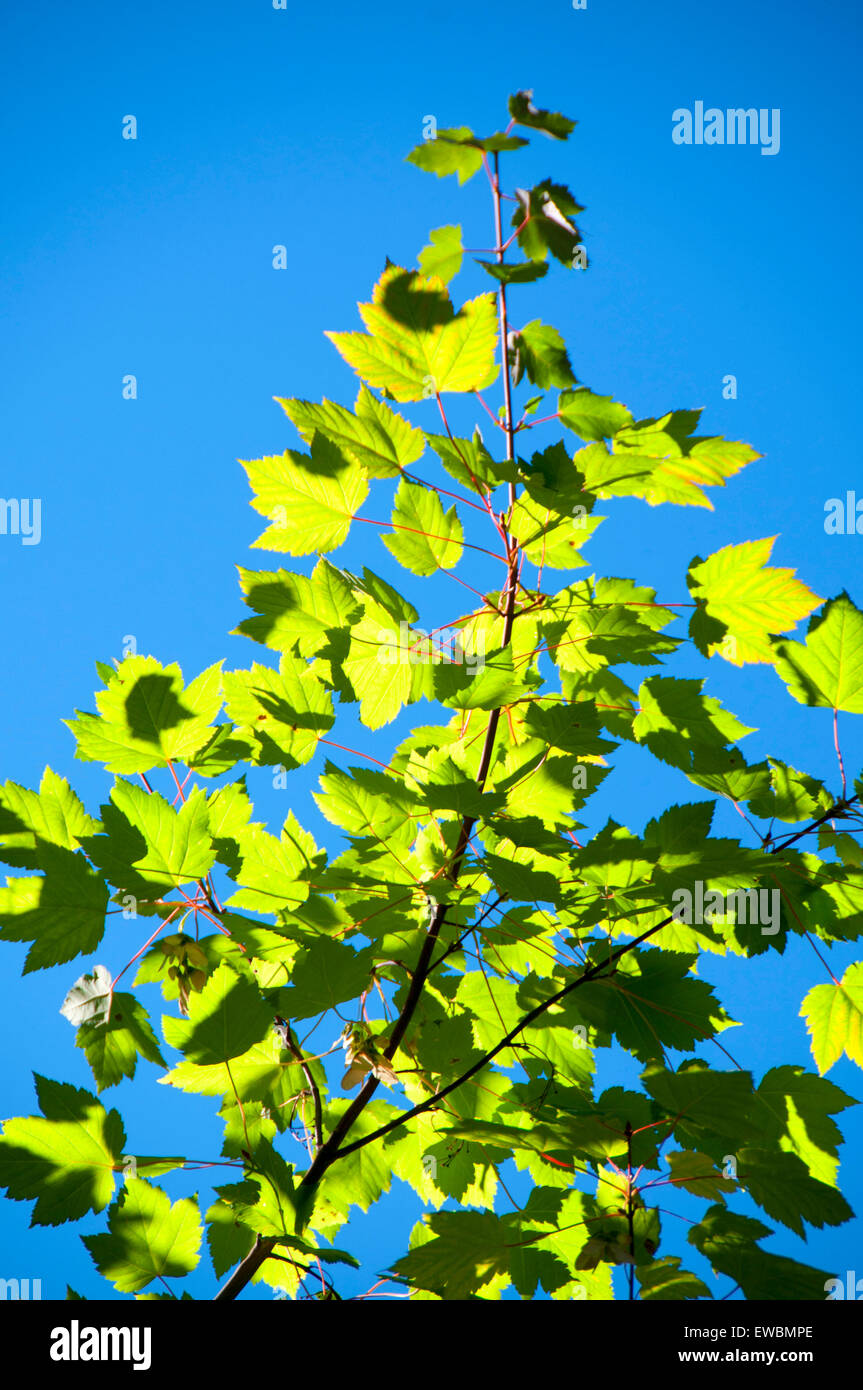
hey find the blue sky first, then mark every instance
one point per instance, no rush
(259, 127)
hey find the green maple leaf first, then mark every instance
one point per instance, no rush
(661, 461)
(148, 844)
(747, 599)
(524, 113)
(443, 256)
(834, 1017)
(698, 1174)
(62, 912)
(310, 499)
(550, 210)
(378, 668)
(592, 417)
(361, 1177)
(452, 151)
(793, 796)
(683, 727)
(283, 713)
(147, 717)
(718, 1102)
(225, 1019)
(539, 351)
(373, 436)
(827, 669)
(53, 815)
(417, 345)
(325, 974)
(467, 1250)
(271, 874)
(297, 611)
(272, 1211)
(438, 1167)
(263, 1073)
(470, 463)
(365, 802)
(229, 813)
(425, 538)
(803, 1104)
(456, 150)
(514, 272)
(729, 1242)
(112, 1047)
(652, 1002)
(496, 683)
(664, 1280)
(149, 1238)
(587, 626)
(781, 1184)
(66, 1158)
(552, 529)
(228, 1241)
(679, 464)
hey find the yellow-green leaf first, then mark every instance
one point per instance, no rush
(417, 345)
(148, 1238)
(310, 499)
(425, 538)
(827, 670)
(749, 599)
(834, 1018)
(375, 436)
(65, 1160)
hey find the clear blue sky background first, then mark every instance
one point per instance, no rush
(154, 257)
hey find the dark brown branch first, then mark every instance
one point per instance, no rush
(594, 972)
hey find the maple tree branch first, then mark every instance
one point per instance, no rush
(330, 1150)
(467, 931)
(599, 971)
(504, 327)
(838, 808)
